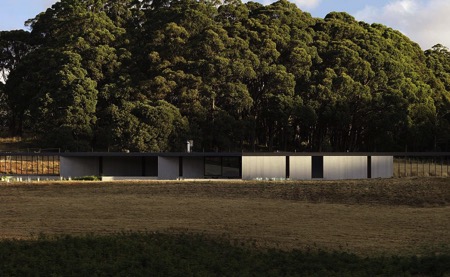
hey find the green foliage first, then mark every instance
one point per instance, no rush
(3, 109)
(137, 126)
(14, 45)
(59, 98)
(147, 75)
(137, 254)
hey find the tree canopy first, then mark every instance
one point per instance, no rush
(232, 76)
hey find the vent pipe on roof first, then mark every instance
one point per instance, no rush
(189, 145)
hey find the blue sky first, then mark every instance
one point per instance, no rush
(424, 21)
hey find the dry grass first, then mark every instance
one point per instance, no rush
(10, 140)
(396, 216)
(15, 143)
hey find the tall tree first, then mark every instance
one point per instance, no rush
(14, 45)
(147, 75)
(59, 98)
(438, 61)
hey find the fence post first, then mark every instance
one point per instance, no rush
(406, 170)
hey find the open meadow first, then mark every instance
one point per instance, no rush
(367, 217)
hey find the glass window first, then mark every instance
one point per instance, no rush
(213, 166)
(226, 167)
(231, 166)
(317, 167)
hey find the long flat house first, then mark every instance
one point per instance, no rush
(212, 165)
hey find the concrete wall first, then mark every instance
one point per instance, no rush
(382, 166)
(79, 166)
(122, 166)
(344, 167)
(300, 167)
(168, 168)
(263, 167)
(193, 167)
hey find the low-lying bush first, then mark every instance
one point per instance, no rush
(87, 178)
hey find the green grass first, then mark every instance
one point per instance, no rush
(154, 254)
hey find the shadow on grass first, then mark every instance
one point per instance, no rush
(156, 254)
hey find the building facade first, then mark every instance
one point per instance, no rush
(246, 166)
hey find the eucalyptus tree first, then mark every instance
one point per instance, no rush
(374, 75)
(339, 92)
(147, 75)
(407, 84)
(147, 126)
(273, 34)
(438, 61)
(77, 39)
(58, 99)
(4, 110)
(14, 46)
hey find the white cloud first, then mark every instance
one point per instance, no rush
(407, 7)
(306, 4)
(423, 21)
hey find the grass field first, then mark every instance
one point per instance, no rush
(409, 216)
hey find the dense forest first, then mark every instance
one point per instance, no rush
(144, 75)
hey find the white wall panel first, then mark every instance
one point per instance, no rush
(300, 167)
(168, 168)
(344, 167)
(382, 166)
(193, 167)
(79, 166)
(263, 167)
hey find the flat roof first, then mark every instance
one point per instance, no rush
(222, 154)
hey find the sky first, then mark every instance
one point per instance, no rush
(423, 21)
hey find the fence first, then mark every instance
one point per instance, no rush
(422, 164)
(26, 164)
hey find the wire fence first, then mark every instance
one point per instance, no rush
(422, 166)
(29, 164)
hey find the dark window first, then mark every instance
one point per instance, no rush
(213, 166)
(231, 167)
(100, 166)
(317, 167)
(180, 166)
(150, 165)
(287, 167)
(223, 167)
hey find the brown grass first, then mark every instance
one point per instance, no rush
(396, 216)
(15, 143)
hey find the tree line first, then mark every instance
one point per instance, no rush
(148, 75)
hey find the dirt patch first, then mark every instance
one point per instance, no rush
(374, 216)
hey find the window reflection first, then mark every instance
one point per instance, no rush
(223, 167)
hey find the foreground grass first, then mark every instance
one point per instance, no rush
(154, 254)
(403, 217)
